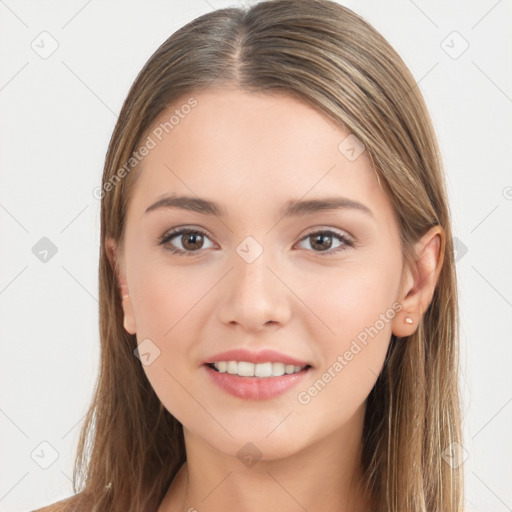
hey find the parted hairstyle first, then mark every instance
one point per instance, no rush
(322, 53)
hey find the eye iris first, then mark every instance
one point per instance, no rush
(321, 239)
(191, 238)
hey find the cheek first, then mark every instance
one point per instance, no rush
(167, 307)
(165, 298)
(355, 305)
(359, 298)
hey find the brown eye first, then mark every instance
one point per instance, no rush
(190, 240)
(322, 241)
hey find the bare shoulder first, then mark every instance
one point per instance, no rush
(49, 508)
(65, 505)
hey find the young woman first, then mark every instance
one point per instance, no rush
(278, 300)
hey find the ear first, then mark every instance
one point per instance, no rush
(117, 265)
(419, 279)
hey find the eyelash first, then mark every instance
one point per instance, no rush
(186, 231)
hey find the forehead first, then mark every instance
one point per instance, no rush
(259, 147)
(232, 123)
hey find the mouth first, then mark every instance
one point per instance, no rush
(257, 370)
(255, 381)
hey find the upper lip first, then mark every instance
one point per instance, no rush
(262, 356)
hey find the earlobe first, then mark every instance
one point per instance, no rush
(420, 282)
(121, 285)
(129, 318)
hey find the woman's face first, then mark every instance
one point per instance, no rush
(316, 285)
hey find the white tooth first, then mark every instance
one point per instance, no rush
(232, 367)
(289, 368)
(263, 370)
(245, 369)
(277, 369)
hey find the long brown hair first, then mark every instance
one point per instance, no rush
(324, 54)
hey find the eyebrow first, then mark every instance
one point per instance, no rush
(293, 208)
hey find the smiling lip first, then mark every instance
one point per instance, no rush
(255, 388)
(263, 356)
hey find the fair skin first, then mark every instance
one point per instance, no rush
(252, 153)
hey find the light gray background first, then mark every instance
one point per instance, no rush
(57, 115)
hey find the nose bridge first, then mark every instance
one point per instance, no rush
(251, 277)
(255, 296)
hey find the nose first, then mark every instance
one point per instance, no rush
(254, 296)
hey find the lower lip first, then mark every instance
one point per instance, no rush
(255, 388)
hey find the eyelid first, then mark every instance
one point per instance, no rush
(311, 231)
(185, 228)
(326, 229)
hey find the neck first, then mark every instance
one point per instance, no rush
(326, 475)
